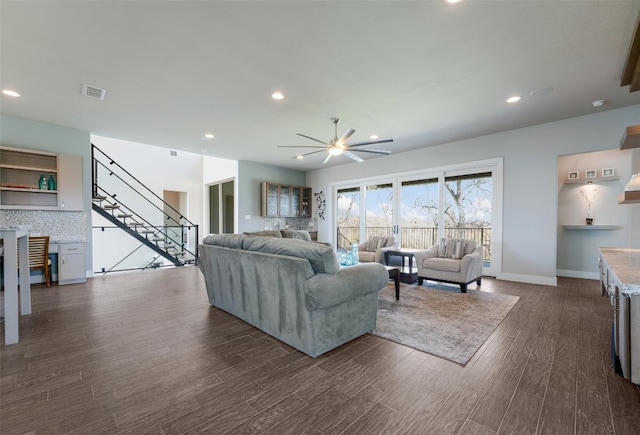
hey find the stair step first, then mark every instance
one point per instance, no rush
(99, 198)
(124, 215)
(146, 232)
(133, 224)
(178, 253)
(111, 206)
(157, 239)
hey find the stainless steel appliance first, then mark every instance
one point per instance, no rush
(626, 332)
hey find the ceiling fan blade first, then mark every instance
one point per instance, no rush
(309, 137)
(368, 142)
(300, 146)
(353, 156)
(307, 154)
(327, 159)
(344, 137)
(385, 152)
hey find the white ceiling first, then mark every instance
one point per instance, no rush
(423, 73)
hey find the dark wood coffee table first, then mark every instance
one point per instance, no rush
(394, 274)
(408, 272)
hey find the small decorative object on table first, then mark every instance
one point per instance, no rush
(42, 182)
(51, 184)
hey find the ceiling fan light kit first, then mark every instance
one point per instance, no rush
(338, 146)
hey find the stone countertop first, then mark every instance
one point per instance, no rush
(625, 263)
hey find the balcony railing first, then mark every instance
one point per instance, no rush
(417, 237)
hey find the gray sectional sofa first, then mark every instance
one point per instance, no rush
(293, 290)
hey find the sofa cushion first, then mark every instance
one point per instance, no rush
(322, 258)
(265, 233)
(226, 240)
(296, 234)
(442, 264)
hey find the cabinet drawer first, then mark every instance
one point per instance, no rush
(71, 248)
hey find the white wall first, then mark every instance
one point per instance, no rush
(530, 198)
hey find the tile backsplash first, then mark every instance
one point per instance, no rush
(67, 226)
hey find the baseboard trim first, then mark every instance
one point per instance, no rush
(578, 274)
(529, 279)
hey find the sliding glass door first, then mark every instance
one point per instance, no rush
(418, 210)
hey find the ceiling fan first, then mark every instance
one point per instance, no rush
(339, 146)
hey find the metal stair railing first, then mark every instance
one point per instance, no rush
(139, 227)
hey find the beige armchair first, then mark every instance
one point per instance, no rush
(372, 251)
(456, 261)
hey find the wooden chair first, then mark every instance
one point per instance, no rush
(39, 256)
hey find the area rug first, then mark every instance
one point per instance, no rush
(441, 320)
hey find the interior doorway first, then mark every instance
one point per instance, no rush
(222, 207)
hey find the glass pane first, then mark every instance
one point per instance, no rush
(419, 213)
(285, 201)
(214, 209)
(348, 208)
(227, 207)
(467, 208)
(295, 201)
(379, 210)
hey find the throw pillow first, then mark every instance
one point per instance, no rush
(459, 251)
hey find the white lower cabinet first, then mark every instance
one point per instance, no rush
(71, 263)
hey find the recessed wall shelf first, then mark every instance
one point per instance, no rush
(591, 227)
(593, 180)
(629, 197)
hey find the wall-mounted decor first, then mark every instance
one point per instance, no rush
(608, 172)
(573, 175)
(321, 204)
(590, 173)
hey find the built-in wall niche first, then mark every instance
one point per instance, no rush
(588, 188)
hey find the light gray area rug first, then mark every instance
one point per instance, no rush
(440, 320)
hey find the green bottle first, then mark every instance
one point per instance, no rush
(42, 182)
(52, 183)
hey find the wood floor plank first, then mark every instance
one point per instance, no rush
(97, 358)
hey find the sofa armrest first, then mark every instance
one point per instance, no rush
(328, 289)
(471, 264)
(420, 256)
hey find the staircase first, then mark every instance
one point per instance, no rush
(167, 242)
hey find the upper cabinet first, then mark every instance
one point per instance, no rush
(21, 186)
(283, 200)
(630, 138)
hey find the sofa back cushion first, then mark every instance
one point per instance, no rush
(225, 240)
(265, 233)
(322, 258)
(296, 234)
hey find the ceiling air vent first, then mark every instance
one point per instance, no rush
(93, 92)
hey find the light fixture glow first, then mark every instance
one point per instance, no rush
(598, 103)
(373, 137)
(10, 93)
(299, 157)
(209, 136)
(452, 1)
(514, 99)
(335, 151)
(277, 95)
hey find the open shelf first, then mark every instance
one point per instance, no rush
(593, 180)
(591, 227)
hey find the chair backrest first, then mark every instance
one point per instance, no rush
(38, 252)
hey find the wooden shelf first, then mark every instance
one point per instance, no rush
(593, 180)
(629, 197)
(591, 227)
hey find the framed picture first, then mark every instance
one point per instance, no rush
(607, 172)
(590, 173)
(573, 175)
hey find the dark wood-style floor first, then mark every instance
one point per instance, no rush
(144, 353)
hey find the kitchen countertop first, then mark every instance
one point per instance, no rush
(625, 263)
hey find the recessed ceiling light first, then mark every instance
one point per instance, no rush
(277, 95)
(10, 93)
(373, 136)
(208, 136)
(598, 103)
(514, 99)
(299, 157)
(452, 1)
